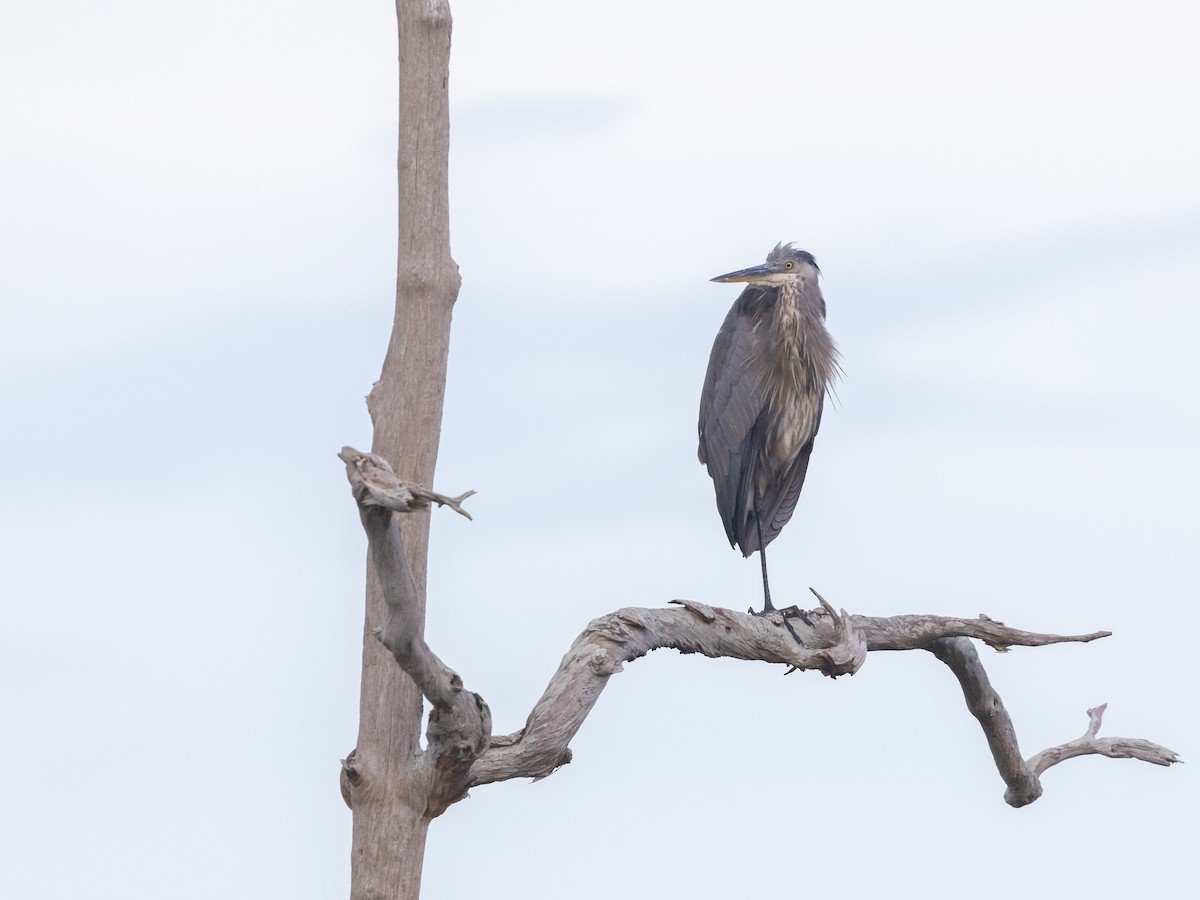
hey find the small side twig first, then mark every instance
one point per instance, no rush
(1114, 748)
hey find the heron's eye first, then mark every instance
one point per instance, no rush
(787, 265)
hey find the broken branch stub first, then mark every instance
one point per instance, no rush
(375, 484)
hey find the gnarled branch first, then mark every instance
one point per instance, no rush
(628, 634)
(462, 753)
(838, 643)
(986, 706)
(460, 723)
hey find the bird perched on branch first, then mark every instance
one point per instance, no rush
(771, 366)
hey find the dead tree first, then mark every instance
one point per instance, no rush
(394, 788)
(380, 781)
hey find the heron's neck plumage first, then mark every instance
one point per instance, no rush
(807, 351)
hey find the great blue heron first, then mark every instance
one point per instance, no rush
(771, 366)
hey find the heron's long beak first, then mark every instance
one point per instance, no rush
(751, 274)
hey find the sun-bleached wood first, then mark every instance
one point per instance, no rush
(1114, 748)
(387, 793)
(462, 753)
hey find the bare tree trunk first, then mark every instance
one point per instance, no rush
(383, 786)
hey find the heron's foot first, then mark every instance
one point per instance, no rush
(785, 615)
(788, 612)
(795, 612)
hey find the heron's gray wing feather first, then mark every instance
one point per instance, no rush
(777, 509)
(730, 406)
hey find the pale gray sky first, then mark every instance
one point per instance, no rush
(198, 263)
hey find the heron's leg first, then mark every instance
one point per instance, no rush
(768, 606)
(762, 558)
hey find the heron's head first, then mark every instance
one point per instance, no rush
(786, 263)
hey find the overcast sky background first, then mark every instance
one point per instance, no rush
(197, 273)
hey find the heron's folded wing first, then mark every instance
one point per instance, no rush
(778, 508)
(730, 405)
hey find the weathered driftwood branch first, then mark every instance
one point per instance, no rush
(1021, 775)
(986, 706)
(916, 632)
(462, 753)
(1114, 748)
(628, 634)
(460, 722)
(837, 643)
